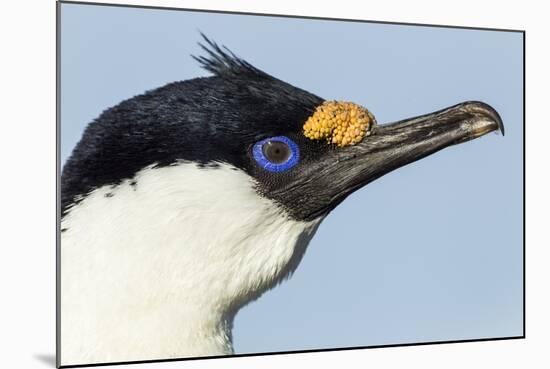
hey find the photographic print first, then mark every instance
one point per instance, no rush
(236, 184)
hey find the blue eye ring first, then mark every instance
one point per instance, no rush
(292, 160)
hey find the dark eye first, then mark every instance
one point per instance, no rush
(276, 154)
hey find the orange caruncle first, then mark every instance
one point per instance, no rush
(338, 122)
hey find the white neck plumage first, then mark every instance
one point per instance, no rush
(158, 269)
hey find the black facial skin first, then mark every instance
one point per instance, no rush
(218, 119)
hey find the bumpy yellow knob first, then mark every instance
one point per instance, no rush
(340, 123)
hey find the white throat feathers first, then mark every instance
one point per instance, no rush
(157, 266)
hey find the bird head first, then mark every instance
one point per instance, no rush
(302, 152)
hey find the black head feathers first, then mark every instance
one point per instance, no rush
(222, 62)
(205, 120)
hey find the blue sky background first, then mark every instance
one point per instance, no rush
(432, 251)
